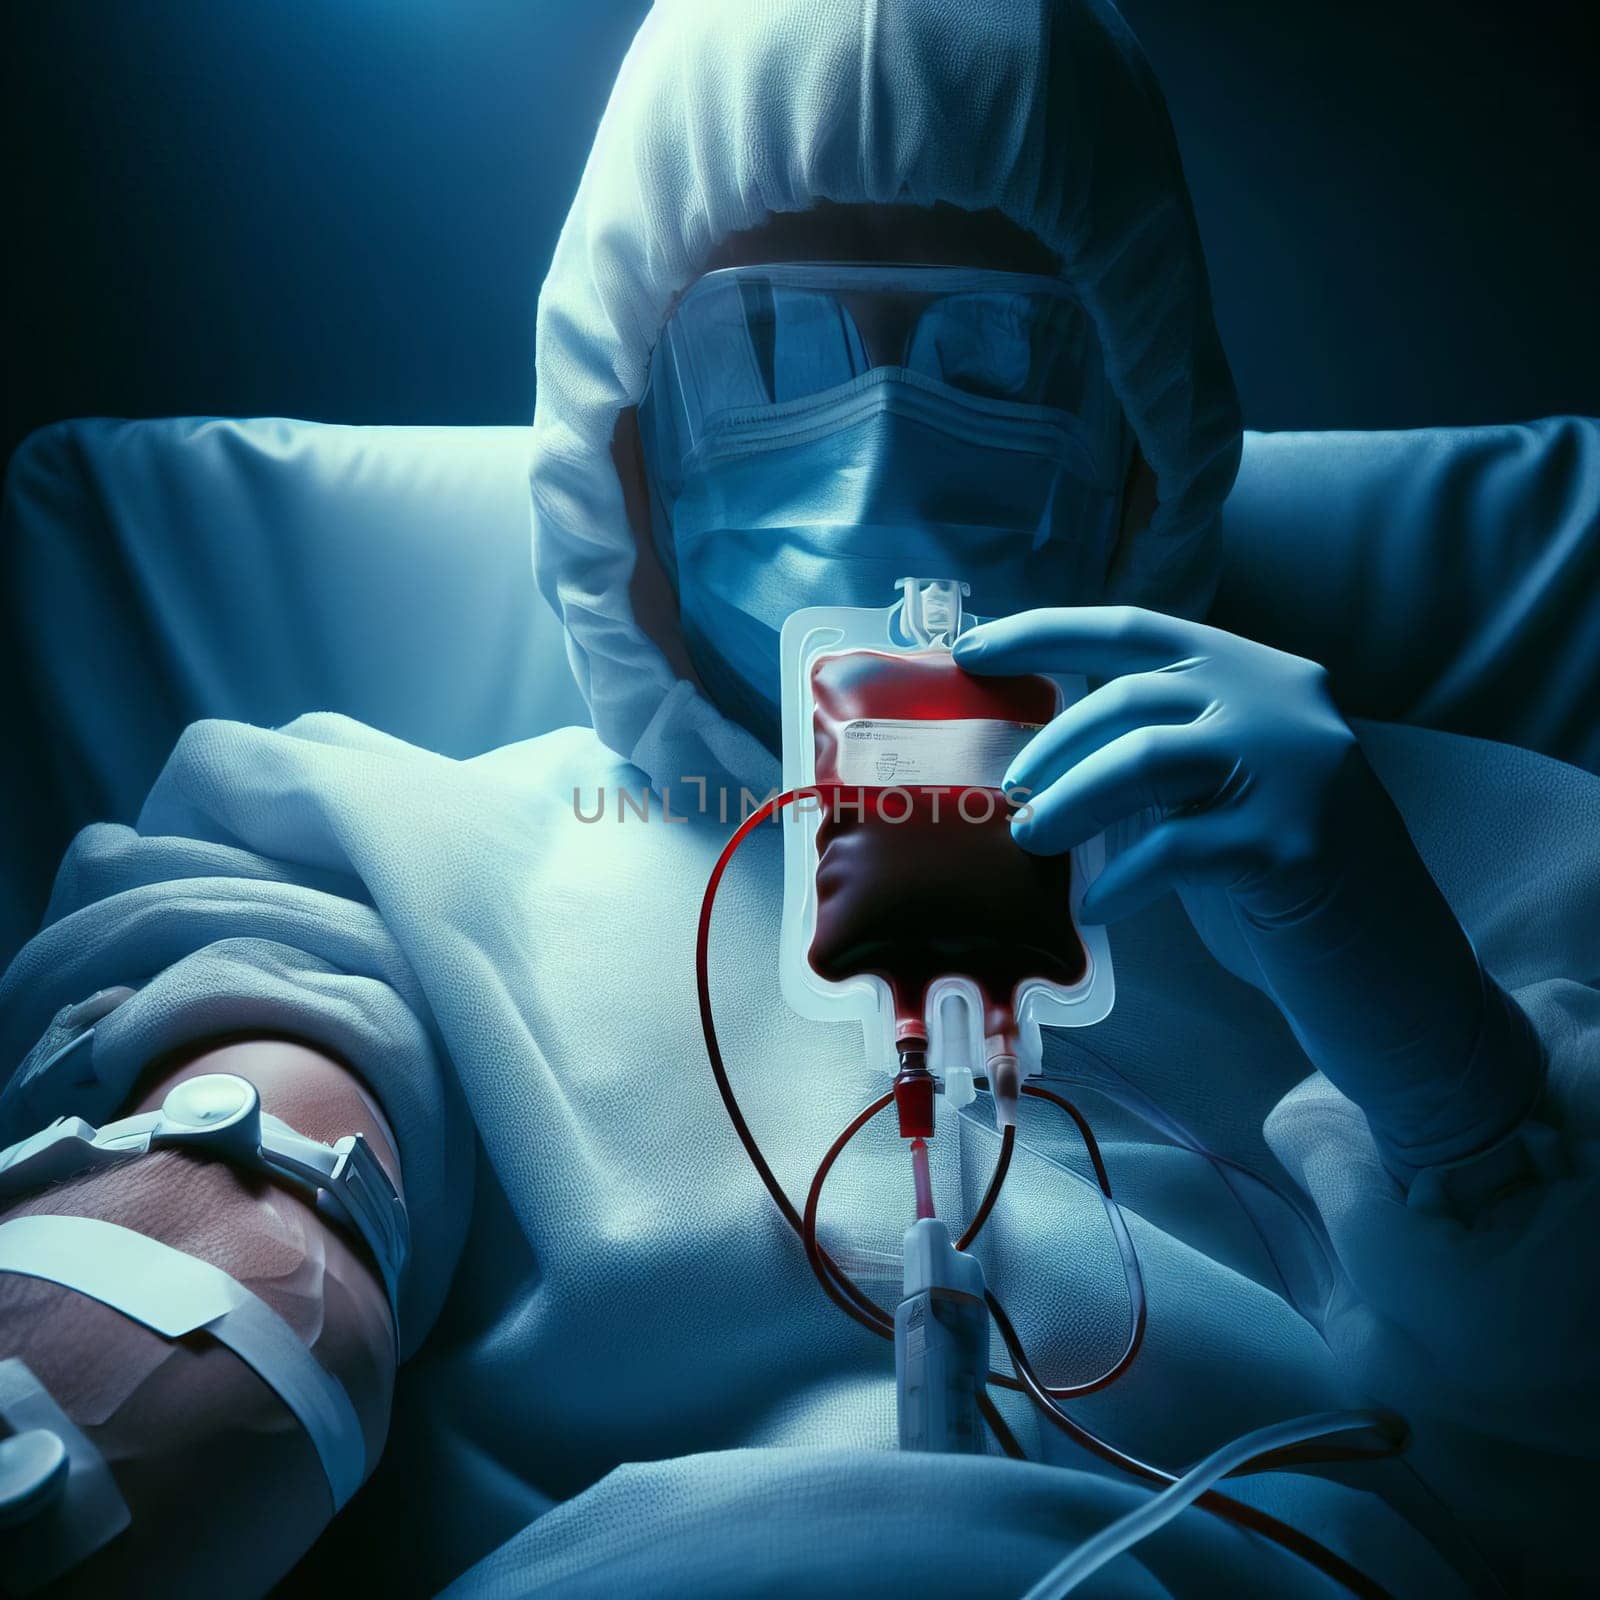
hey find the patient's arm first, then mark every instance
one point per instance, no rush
(225, 1489)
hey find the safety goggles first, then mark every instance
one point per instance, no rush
(747, 338)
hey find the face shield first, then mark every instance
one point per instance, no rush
(813, 432)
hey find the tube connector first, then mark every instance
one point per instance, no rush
(913, 1094)
(1005, 1085)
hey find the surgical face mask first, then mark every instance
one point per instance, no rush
(814, 433)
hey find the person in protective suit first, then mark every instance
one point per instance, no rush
(1350, 1077)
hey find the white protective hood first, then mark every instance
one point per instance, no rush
(728, 111)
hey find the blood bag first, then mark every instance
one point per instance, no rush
(908, 906)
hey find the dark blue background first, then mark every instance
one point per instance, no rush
(341, 209)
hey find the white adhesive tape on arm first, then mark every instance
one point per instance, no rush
(176, 1294)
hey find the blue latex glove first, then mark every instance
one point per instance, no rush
(1251, 796)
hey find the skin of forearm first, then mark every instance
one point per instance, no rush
(225, 1489)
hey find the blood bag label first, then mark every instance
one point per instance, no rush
(963, 752)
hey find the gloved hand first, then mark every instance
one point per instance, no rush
(1258, 804)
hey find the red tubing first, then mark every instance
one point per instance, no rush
(1008, 1143)
(922, 1178)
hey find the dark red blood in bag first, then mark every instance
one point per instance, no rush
(935, 895)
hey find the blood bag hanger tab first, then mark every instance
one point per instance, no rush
(931, 612)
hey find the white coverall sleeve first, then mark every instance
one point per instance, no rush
(1474, 1293)
(216, 941)
(1471, 1296)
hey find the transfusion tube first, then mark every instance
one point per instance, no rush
(860, 1306)
(1123, 1534)
(1086, 1067)
(922, 1178)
